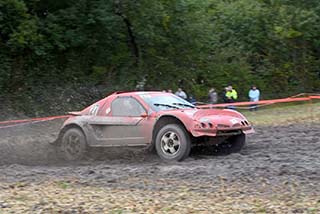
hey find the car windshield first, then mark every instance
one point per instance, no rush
(165, 102)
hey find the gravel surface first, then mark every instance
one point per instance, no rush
(277, 172)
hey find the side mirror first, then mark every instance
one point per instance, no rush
(144, 115)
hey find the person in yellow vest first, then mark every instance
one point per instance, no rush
(231, 94)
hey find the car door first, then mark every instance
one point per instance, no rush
(126, 124)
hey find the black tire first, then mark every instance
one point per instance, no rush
(233, 144)
(73, 145)
(173, 143)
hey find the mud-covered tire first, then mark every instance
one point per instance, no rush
(173, 143)
(233, 144)
(73, 145)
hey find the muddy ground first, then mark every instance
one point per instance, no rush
(277, 172)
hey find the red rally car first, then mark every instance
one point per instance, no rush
(160, 120)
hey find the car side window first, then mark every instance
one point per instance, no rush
(126, 107)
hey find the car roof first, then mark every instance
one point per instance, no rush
(128, 93)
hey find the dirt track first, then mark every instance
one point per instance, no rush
(278, 164)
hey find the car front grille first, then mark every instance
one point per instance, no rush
(228, 132)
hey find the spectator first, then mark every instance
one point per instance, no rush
(169, 91)
(224, 97)
(213, 96)
(254, 96)
(192, 100)
(181, 93)
(231, 94)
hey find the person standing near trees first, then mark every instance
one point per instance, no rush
(254, 96)
(181, 93)
(192, 99)
(231, 94)
(213, 96)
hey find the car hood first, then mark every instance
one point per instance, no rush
(197, 114)
(216, 117)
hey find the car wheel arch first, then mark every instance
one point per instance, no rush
(70, 126)
(164, 120)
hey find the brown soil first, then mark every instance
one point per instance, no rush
(277, 172)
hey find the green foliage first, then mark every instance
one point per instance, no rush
(169, 43)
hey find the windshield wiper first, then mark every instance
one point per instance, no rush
(183, 104)
(166, 105)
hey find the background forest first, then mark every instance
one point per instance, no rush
(48, 46)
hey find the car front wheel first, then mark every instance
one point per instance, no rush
(172, 143)
(73, 145)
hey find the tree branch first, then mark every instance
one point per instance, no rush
(132, 43)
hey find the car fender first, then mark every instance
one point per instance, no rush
(73, 122)
(179, 117)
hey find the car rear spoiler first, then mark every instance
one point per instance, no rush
(75, 113)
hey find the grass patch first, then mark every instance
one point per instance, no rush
(284, 114)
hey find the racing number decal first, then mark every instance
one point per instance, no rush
(94, 109)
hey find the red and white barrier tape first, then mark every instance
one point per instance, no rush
(22, 124)
(34, 119)
(262, 102)
(15, 123)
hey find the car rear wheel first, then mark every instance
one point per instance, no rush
(73, 145)
(233, 144)
(172, 143)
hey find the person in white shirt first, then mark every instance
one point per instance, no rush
(181, 93)
(254, 96)
(213, 96)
